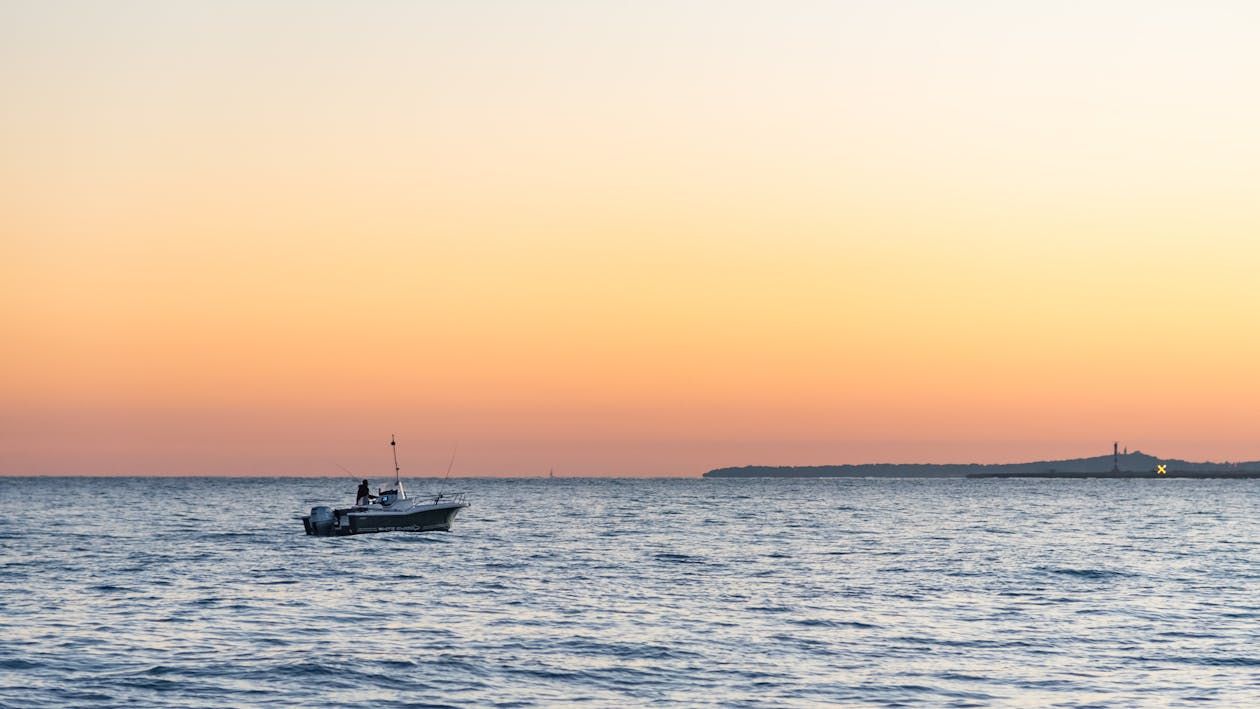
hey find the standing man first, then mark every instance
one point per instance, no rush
(364, 495)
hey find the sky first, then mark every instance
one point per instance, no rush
(648, 238)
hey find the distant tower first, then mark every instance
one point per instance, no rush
(1115, 457)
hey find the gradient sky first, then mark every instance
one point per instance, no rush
(638, 238)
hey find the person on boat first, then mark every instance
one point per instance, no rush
(364, 495)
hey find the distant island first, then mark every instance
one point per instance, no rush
(1135, 464)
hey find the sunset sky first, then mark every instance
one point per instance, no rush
(635, 238)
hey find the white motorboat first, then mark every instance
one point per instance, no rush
(391, 510)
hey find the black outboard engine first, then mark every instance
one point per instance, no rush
(322, 522)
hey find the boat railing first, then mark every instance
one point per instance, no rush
(458, 497)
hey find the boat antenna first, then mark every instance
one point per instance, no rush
(394, 447)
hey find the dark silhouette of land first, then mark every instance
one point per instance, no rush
(1126, 465)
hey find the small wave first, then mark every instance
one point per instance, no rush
(108, 588)
(1220, 661)
(823, 623)
(678, 558)
(422, 539)
(156, 671)
(960, 677)
(992, 530)
(211, 536)
(312, 670)
(490, 587)
(65, 697)
(977, 643)
(625, 650)
(158, 684)
(1083, 573)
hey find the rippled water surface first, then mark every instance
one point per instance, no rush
(206, 593)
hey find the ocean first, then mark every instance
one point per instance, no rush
(205, 592)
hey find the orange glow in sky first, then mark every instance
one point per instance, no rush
(624, 238)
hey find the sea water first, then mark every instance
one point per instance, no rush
(201, 592)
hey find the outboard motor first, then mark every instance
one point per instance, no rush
(322, 521)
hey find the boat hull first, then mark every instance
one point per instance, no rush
(430, 518)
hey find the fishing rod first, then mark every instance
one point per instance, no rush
(450, 465)
(353, 475)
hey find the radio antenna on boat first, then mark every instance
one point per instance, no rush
(394, 447)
